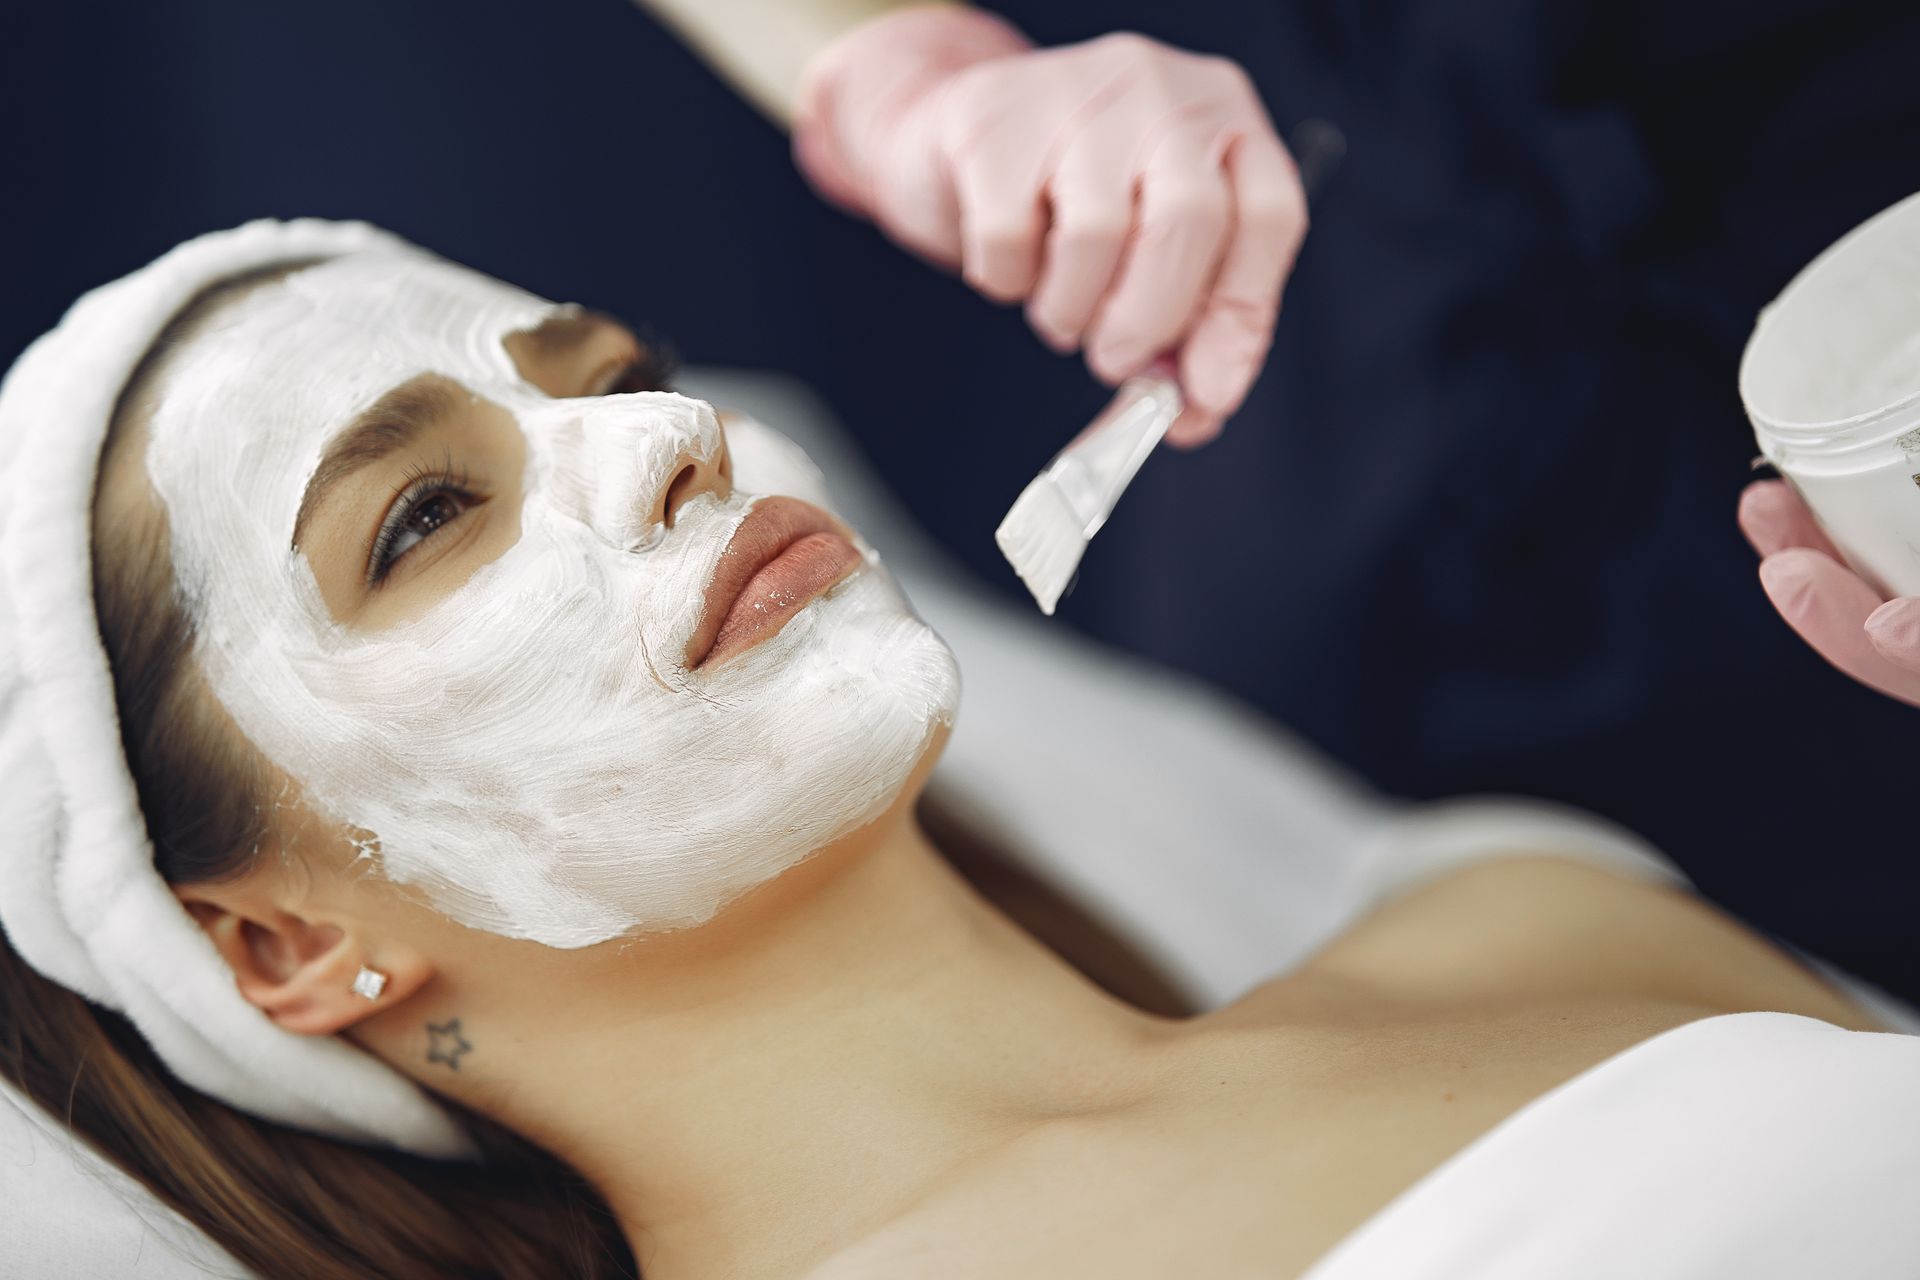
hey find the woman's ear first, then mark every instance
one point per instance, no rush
(299, 972)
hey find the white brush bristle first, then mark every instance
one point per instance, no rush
(1041, 539)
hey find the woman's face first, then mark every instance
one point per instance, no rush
(463, 572)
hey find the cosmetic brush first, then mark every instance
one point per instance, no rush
(1048, 528)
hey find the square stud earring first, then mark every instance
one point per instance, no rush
(369, 983)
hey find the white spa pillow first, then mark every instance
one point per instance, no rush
(1201, 832)
(67, 1214)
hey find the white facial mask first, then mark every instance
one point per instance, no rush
(532, 752)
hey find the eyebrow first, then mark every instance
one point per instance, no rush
(566, 328)
(391, 425)
(397, 420)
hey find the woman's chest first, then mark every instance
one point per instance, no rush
(1268, 1152)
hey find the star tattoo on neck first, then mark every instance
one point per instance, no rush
(447, 1044)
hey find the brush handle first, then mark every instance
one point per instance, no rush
(1098, 464)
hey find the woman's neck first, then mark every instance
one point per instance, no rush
(762, 1090)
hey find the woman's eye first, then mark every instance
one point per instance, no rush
(415, 518)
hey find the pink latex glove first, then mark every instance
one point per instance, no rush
(1135, 195)
(1850, 624)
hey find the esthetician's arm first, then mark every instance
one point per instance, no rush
(760, 47)
(1871, 638)
(1134, 196)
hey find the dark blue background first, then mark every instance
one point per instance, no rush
(1474, 530)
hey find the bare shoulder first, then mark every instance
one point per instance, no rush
(1542, 926)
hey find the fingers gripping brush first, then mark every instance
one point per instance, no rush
(1047, 530)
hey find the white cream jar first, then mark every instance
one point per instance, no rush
(1831, 382)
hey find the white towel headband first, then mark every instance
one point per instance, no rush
(80, 899)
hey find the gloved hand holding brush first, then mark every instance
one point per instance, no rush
(1135, 196)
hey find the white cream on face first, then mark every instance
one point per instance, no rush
(531, 751)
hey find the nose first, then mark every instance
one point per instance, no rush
(693, 475)
(627, 466)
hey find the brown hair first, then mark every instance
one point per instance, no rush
(282, 1201)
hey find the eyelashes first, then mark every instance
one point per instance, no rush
(417, 512)
(653, 369)
(430, 498)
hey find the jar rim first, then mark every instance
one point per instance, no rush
(1809, 430)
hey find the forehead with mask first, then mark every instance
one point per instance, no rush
(463, 602)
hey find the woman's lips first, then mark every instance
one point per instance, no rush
(782, 555)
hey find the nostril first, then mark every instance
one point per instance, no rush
(677, 491)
